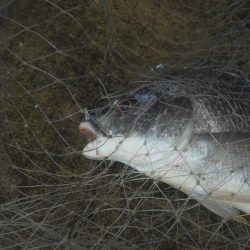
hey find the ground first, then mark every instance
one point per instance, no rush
(56, 58)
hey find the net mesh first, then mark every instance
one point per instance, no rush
(57, 58)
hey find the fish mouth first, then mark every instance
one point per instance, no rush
(87, 129)
(96, 139)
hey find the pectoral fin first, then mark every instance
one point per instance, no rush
(220, 208)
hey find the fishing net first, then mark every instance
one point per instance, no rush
(57, 58)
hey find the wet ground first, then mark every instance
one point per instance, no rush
(58, 57)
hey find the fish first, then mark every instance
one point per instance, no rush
(189, 130)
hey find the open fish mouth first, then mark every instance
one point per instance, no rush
(88, 130)
(96, 140)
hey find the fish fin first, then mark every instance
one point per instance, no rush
(221, 208)
(227, 209)
(243, 218)
(225, 137)
(240, 201)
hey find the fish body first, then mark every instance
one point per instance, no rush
(191, 134)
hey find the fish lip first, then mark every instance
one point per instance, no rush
(87, 129)
(90, 130)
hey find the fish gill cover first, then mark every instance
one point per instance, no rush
(64, 61)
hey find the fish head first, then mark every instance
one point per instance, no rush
(131, 126)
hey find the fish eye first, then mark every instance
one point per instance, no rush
(124, 106)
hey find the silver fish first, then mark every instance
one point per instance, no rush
(190, 131)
